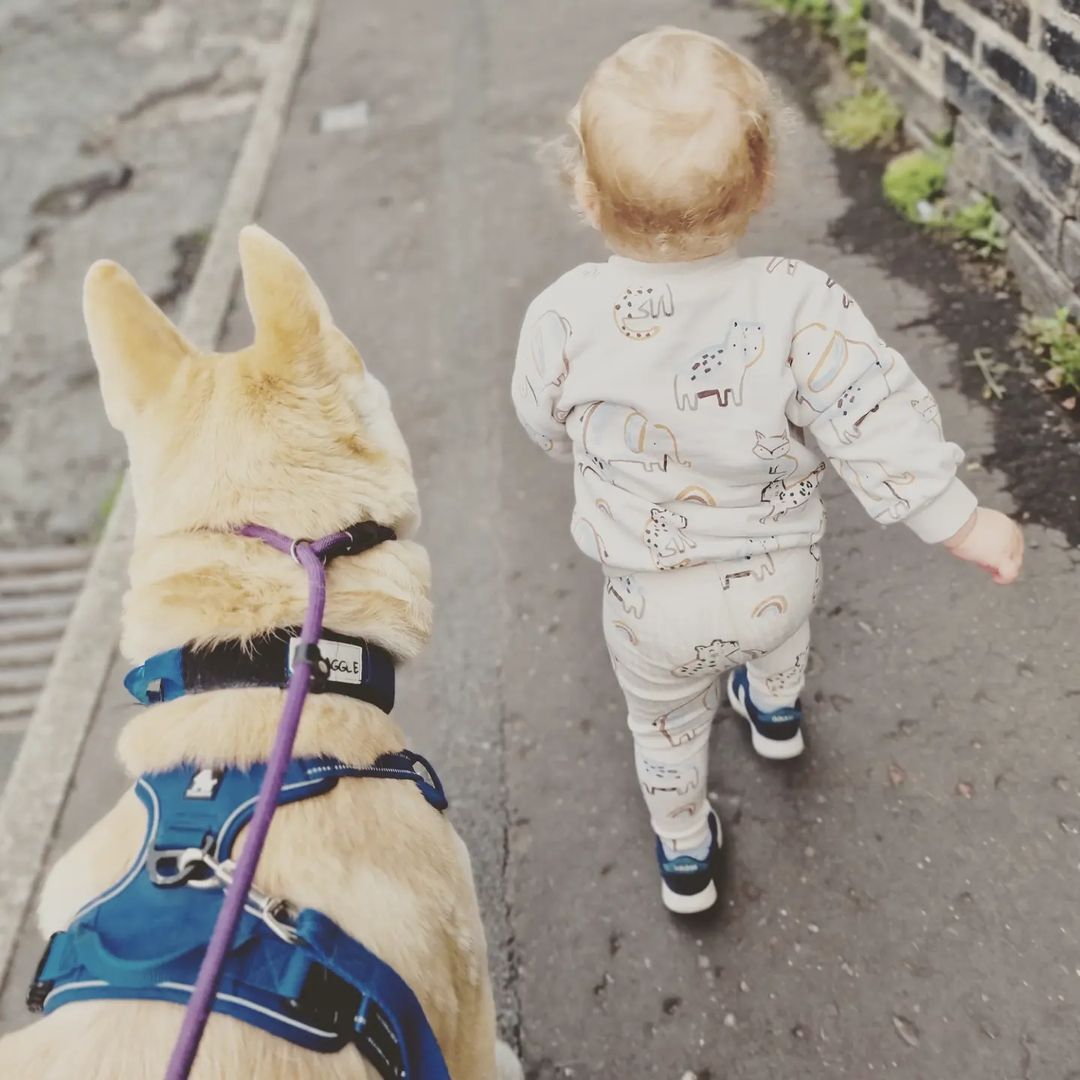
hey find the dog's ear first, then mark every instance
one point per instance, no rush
(289, 312)
(137, 349)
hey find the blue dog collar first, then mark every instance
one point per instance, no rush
(340, 665)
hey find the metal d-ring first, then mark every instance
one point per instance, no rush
(278, 914)
(292, 548)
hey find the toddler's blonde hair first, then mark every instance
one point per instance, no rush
(674, 148)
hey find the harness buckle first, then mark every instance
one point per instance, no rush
(40, 988)
(327, 1001)
(169, 867)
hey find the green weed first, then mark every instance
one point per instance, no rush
(818, 12)
(869, 118)
(846, 28)
(849, 32)
(977, 225)
(1056, 341)
(915, 182)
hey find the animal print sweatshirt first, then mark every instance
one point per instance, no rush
(684, 392)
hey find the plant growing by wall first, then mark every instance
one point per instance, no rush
(846, 28)
(868, 118)
(977, 226)
(849, 32)
(914, 183)
(1056, 341)
(818, 12)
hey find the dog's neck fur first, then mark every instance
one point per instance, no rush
(204, 587)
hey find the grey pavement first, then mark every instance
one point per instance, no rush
(900, 902)
(119, 126)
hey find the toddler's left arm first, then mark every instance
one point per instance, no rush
(875, 421)
(539, 373)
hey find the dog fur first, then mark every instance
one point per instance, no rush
(294, 433)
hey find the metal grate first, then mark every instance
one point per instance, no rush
(37, 590)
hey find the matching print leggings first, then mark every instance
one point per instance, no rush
(673, 635)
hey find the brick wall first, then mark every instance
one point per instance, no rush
(1003, 76)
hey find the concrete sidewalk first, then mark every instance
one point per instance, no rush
(902, 900)
(119, 126)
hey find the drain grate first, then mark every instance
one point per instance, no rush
(38, 588)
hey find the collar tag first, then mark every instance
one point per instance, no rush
(345, 660)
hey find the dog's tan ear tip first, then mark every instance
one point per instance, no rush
(255, 239)
(252, 234)
(103, 273)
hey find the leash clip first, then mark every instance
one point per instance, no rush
(278, 914)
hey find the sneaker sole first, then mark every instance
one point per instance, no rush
(772, 749)
(688, 905)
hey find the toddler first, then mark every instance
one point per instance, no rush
(681, 379)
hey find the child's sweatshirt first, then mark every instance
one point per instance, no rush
(683, 392)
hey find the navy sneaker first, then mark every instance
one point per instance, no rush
(776, 735)
(686, 882)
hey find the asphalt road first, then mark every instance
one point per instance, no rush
(902, 901)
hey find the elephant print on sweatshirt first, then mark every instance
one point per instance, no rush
(665, 539)
(654, 445)
(822, 361)
(821, 358)
(548, 363)
(718, 371)
(616, 435)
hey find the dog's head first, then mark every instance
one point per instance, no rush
(291, 432)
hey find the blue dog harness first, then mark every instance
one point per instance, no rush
(295, 974)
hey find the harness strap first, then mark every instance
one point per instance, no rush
(195, 817)
(299, 976)
(324, 985)
(397, 1004)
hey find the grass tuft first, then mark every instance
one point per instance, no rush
(849, 32)
(914, 183)
(1056, 341)
(869, 118)
(977, 225)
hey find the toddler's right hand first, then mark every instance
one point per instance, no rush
(992, 541)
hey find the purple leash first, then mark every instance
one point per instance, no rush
(311, 555)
